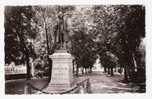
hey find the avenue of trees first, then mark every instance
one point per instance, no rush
(113, 32)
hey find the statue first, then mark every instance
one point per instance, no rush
(60, 32)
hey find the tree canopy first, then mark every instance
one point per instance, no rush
(92, 30)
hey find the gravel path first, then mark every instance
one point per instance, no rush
(102, 83)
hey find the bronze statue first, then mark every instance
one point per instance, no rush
(60, 32)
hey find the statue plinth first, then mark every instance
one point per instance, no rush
(62, 71)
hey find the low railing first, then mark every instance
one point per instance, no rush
(81, 87)
(84, 86)
(32, 88)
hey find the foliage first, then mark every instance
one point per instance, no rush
(92, 31)
(119, 29)
(83, 49)
(83, 46)
(18, 31)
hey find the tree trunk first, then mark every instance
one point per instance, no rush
(82, 70)
(47, 40)
(90, 69)
(108, 70)
(111, 71)
(77, 71)
(50, 69)
(115, 69)
(73, 67)
(105, 69)
(134, 61)
(125, 74)
(26, 52)
(28, 69)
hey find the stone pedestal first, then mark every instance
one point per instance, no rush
(62, 75)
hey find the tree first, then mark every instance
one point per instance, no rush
(128, 38)
(47, 22)
(119, 30)
(19, 30)
(134, 31)
(107, 21)
(83, 50)
(81, 36)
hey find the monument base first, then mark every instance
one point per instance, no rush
(57, 89)
(62, 72)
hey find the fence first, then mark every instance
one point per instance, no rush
(81, 88)
(9, 70)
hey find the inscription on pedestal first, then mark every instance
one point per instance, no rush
(60, 74)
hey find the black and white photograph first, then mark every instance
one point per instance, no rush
(74, 49)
